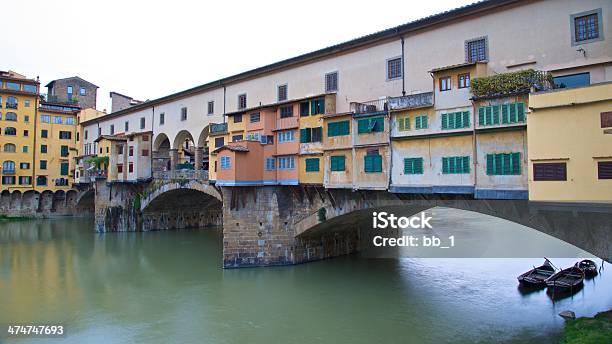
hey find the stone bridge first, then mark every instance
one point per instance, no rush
(279, 225)
(32, 203)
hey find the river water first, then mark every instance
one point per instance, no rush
(168, 287)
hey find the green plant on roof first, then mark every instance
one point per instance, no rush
(510, 83)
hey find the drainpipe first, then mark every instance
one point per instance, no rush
(224, 94)
(403, 69)
(474, 146)
(35, 119)
(151, 148)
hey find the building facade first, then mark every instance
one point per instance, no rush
(73, 90)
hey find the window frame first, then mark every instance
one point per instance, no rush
(337, 81)
(284, 88)
(486, 49)
(598, 14)
(401, 71)
(240, 100)
(466, 80)
(449, 83)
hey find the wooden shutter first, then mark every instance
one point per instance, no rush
(466, 119)
(465, 164)
(495, 114)
(481, 116)
(606, 119)
(490, 164)
(520, 112)
(549, 171)
(444, 121)
(505, 113)
(362, 126)
(516, 163)
(305, 135)
(604, 169)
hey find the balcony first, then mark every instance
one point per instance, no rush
(413, 101)
(372, 106)
(219, 128)
(507, 84)
(60, 100)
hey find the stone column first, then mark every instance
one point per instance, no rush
(199, 155)
(173, 159)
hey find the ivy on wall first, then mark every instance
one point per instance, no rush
(513, 82)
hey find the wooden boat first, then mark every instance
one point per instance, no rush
(588, 267)
(566, 279)
(537, 277)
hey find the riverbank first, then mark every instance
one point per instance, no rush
(5, 218)
(595, 330)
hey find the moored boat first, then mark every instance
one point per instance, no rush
(588, 267)
(537, 277)
(566, 279)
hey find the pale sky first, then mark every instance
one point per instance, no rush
(148, 49)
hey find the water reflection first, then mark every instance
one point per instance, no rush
(166, 287)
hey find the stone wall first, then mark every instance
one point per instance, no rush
(46, 204)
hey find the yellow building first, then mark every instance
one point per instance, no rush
(569, 135)
(311, 161)
(338, 150)
(56, 146)
(18, 109)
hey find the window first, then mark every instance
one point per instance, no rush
(145, 152)
(394, 68)
(26, 103)
(403, 123)
(286, 111)
(549, 171)
(253, 136)
(211, 107)
(282, 93)
(586, 27)
(63, 151)
(25, 180)
(131, 151)
(26, 119)
(226, 163)
(41, 181)
(270, 164)
(57, 120)
(370, 125)
(317, 106)
(606, 119)
(10, 131)
(26, 133)
(573, 80)
(413, 166)
(312, 165)
(504, 164)
(456, 165)
(126, 126)
(338, 128)
(43, 164)
(45, 119)
(254, 117)
(286, 163)
(183, 114)
(331, 82)
(372, 162)
(445, 83)
(337, 162)
(10, 116)
(120, 149)
(304, 109)
(11, 102)
(69, 92)
(69, 121)
(8, 180)
(64, 168)
(66, 135)
(44, 133)
(43, 149)
(455, 120)
(238, 118)
(29, 88)
(112, 129)
(24, 149)
(242, 101)
(24, 165)
(10, 148)
(237, 138)
(463, 80)
(8, 167)
(510, 113)
(85, 134)
(131, 167)
(604, 169)
(119, 168)
(13, 86)
(219, 142)
(99, 131)
(142, 122)
(82, 91)
(421, 122)
(285, 136)
(308, 135)
(476, 50)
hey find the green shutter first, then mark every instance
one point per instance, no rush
(418, 167)
(363, 126)
(424, 122)
(321, 105)
(466, 119)
(520, 112)
(466, 165)
(495, 114)
(400, 124)
(445, 165)
(490, 164)
(313, 107)
(64, 168)
(312, 165)
(404, 123)
(444, 121)
(505, 113)
(378, 124)
(481, 116)
(305, 135)
(337, 162)
(413, 166)
(304, 107)
(372, 163)
(516, 163)
(64, 151)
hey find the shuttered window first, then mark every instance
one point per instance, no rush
(317, 106)
(413, 166)
(606, 119)
(504, 164)
(372, 163)
(456, 165)
(64, 168)
(312, 165)
(549, 171)
(308, 135)
(64, 151)
(370, 125)
(513, 113)
(456, 120)
(403, 123)
(337, 162)
(604, 169)
(304, 109)
(305, 135)
(420, 122)
(338, 128)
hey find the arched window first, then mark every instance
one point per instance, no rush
(8, 167)
(10, 116)
(9, 148)
(10, 131)
(11, 102)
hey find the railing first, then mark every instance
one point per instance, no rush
(218, 128)
(411, 101)
(61, 100)
(369, 106)
(181, 174)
